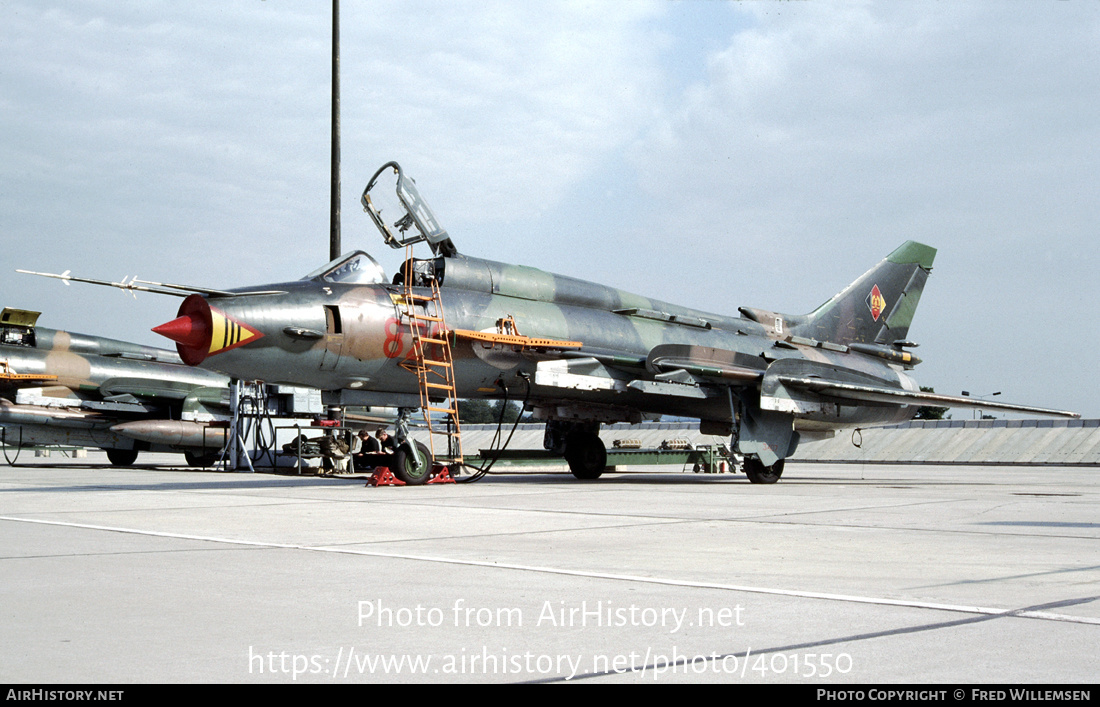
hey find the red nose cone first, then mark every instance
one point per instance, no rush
(186, 330)
(191, 330)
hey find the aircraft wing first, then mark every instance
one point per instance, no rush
(862, 392)
(154, 388)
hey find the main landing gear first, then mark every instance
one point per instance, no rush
(586, 454)
(760, 474)
(580, 444)
(122, 457)
(766, 438)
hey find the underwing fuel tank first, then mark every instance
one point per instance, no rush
(174, 433)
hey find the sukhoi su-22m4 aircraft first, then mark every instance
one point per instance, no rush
(577, 353)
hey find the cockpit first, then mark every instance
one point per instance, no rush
(355, 268)
(417, 224)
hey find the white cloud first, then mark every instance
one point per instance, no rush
(826, 134)
(191, 142)
(501, 106)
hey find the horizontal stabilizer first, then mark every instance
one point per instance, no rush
(882, 394)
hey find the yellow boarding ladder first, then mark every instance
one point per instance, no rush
(431, 360)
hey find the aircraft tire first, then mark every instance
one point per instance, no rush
(122, 457)
(405, 467)
(586, 454)
(760, 474)
(199, 460)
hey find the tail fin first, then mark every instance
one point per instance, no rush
(878, 307)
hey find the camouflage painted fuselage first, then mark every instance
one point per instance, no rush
(592, 353)
(350, 337)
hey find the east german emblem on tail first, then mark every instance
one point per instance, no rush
(876, 302)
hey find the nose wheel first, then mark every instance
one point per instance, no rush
(413, 470)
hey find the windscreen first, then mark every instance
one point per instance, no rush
(357, 268)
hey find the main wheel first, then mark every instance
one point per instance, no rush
(586, 454)
(760, 474)
(196, 459)
(406, 468)
(122, 457)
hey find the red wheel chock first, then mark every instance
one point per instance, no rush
(382, 476)
(442, 475)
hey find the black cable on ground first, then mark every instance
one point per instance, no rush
(4, 443)
(483, 470)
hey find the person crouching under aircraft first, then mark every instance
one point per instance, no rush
(375, 451)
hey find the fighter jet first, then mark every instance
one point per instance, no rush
(578, 354)
(61, 388)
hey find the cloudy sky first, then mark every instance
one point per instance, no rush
(713, 154)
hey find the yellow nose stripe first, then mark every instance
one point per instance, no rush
(227, 333)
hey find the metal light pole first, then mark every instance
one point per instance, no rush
(978, 413)
(334, 202)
